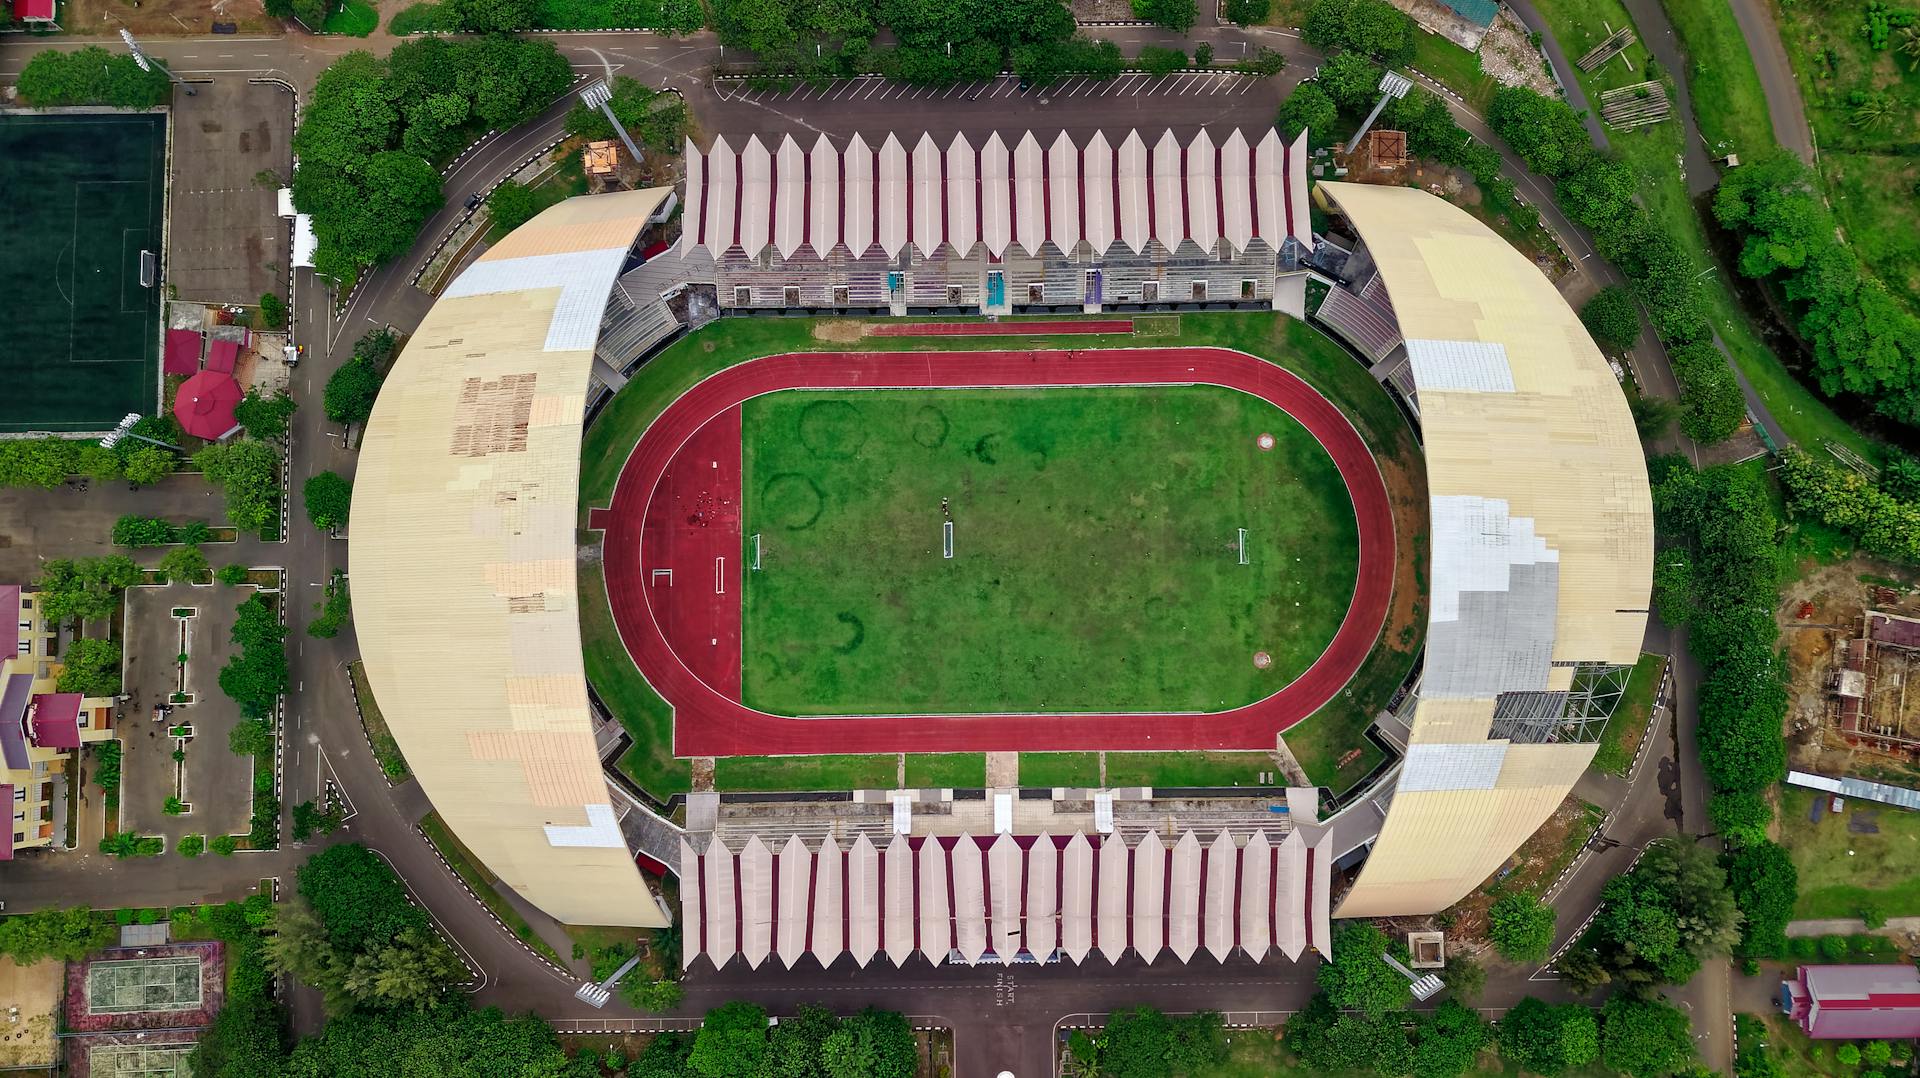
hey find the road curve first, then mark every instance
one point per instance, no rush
(708, 723)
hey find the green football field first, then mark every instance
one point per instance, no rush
(85, 196)
(1097, 556)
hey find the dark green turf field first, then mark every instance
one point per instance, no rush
(1096, 550)
(84, 196)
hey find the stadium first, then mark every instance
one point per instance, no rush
(937, 620)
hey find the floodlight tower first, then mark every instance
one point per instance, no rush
(1424, 987)
(146, 65)
(1393, 86)
(597, 95)
(125, 430)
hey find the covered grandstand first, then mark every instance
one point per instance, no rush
(1001, 225)
(1542, 544)
(464, 560)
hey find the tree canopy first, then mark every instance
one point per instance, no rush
(1357, 977)
(265, 417)
(67, 934)
(1765, 886)
(1521, 927)
(1612, 318)
(1549, 1038)
(329, 496)
(84, 588)
(257, 671)
(93, 76)
(248, 473)
(1645, 1038)
(90, 667)
(1373, 27)
(1657, 923)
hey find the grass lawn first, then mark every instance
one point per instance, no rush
(1095, 561)
(1038, 769)
(1842, 871)
(966, 770)
(483, 884)
(1654, 152)
(1188, 768)
(1621, 739)
(781, 773)
(355, 18)
(650, 761)
(385, 749)
(1299, 348)
(1455, 68)
(1801, 1056)
(1730, 106)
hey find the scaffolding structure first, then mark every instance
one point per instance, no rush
(1576, 715)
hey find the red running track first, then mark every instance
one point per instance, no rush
(711, 722)
(1001, 329)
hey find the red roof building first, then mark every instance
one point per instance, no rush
(54, 720)
(33, 10)
(222, 355)
(1854, 1002)
(204, 404)
(183, 351)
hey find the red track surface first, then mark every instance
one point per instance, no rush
(692, 531)
(711, 721)
(1000, 329)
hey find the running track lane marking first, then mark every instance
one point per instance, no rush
(710, 723)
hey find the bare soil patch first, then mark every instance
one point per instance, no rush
(1509, 56)
(1815, 646)
(165, 18)
(839, 330)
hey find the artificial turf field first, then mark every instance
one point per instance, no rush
(1096, 550)
(85, 196)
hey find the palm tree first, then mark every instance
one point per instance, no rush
(1873, 111)
(1909, 45)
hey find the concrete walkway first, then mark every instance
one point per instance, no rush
(1785, 107)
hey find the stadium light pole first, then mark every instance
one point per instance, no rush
(146, 65)
(598, 95)
(125, 430)
(1392, 86)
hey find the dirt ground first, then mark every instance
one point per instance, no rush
(1509, 56)
(1533, 867)
(1814, 646)
(165, 18)
(35, 990)
(839, 330)
(1103, 10)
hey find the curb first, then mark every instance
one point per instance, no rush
(495, 918)
(353, 690)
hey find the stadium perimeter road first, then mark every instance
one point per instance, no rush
(227, 242)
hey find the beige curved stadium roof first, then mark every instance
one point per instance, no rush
(462, 550)
(1542, 543)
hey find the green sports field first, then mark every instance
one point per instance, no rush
(1096, 556)
(85, 195)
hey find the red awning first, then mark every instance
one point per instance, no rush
(33, 9)
(183, 351)
(54, 721)
(221, 356)
(204, 405)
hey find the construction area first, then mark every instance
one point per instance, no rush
(1853, 652)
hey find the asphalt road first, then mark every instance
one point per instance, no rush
(1785, 107)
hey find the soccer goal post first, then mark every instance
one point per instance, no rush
(756, 552)
(1243, 546)
(946, 539)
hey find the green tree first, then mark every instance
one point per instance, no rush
(329, 497)
(248, 1039)
(1521, 927)
(336, 608)
(98, 462)
(257, 672)
(273, 313)
(191, 845)
(1308, 109)
(224, 845)
(248, 472)
(665, 1057)
(511, 205)
(183, 565)
(1657, 923)
(263, 417)
(231, 575)
(1544, 131)
(759, 26)
(1645, 1038)
(732, 1042)
(91, 668)
(1464, 977)
(127, 844)
(1765, 886)
(1373, 27)
(680, 17)
(1351, 80)
(1741, 817)
(1358, 977)
(492, 16)
(37, 462)
(148, 464)
(658, 121)
(1160, 62)
(85, 589)
(173, 806)
(1446, 1041)
(1548, 1038)
(1612, 318)
(65, 933)
(1247, 12)
(414, 968)
(250, 737)
(1175, 15)
(93, 76)
(357, 897)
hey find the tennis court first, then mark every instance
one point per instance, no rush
(144, 984)
(139, 1061)
(86, 199)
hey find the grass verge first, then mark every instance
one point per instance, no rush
(1621, 738)
(1187, 768)
(1044, 769)
(1843, 871)
(386, 751)
(355, 18)
(647, 718)
(1455, 68)
(483, 884)
(782, 773)
(1721, 75)
(965, 770)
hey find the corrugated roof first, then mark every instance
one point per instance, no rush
(53, 720)
(13, 718)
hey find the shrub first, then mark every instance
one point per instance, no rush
(224, 845)
(134, 531)
(1847, 1055)
(1833, 948)
(231, 575)
(93, 76)
(192, 845)
(1247, 12)
(173, 806)
(1175, 15)
(1160, 62)
(273, 313)
(131, 844)
(1203, 55)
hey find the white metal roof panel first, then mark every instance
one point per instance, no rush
(936, 920)
(897, 876)
(1136, 220)
(969, 898)
(790, 197)
(1236, 190)
(1149, 896)
(1223, 885)
(829, 901)
(1043, 873)
(723, 925)
(1203, 199)
(1076, 898)
(963, 197)
(1295, 183)
(863, 893)
(1290, 897)
(756, 901)
(996, 196)
(1063, 193)
(823, 216)
(1322, 853)
(691, 896)
(1269, 193)
(795, 872)
(1111, 915)
(890, 196)
(856, 226)
(929, 196)
(1096, 190)
(723, 184)
(756, 197)
(1169, 200)
(1183, 913)
(1005, 864)
(1029, 194)
(690, 233)
(1256, 895)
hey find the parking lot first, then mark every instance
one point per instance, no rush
(227, 243)
(75, 520)
(218, 784)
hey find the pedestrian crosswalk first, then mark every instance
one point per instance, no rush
(1004, 87)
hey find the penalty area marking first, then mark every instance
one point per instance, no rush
(946, 539)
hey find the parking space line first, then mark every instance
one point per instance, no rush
(1219, 83)
(1245, 85)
